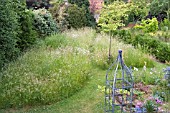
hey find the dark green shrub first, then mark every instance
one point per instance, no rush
(37, 4)
(89, 16)
(8, 32)
(44, 23)
(146, 42)
(26, 33)
(160, 50)
(158, 6)
(125, 35)
(80, 3)
(76, 16)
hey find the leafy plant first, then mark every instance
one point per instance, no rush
(90, 21)
(59, 14)
(149, 105)
(158, 7)
(113, 16)
(149, 25)
(44, 23)
(28, 35)
(8, 32)
(76, 16)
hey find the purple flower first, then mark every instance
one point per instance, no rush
(158, 101)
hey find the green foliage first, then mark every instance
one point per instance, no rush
(165, 25)
(149, 25)
(138, 10)
(146, 42)
(44, 23)
(28, 35)
(150, 106)
(158, 6)
(80, 3)
(159, 49)
(90, 21)
(76, 16)
(8, 32)
(113, 16)
(59, 14)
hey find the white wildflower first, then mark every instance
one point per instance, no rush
(136, 69)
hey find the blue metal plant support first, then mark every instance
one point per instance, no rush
(119, 87)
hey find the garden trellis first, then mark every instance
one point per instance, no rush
(119, 87)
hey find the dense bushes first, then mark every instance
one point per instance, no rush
(69, 16)
(89, 16)
(160, 50)
(159, 8)
(36, 4)
(76, 16)
(8, 32)
(44, 23)
(27, 35)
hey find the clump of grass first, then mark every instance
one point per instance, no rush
(43, 77)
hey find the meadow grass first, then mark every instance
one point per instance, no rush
(59, 66)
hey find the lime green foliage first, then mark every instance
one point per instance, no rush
(44, 23)
(149, 25)
(113, 16)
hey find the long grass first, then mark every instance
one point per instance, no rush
(59, 66)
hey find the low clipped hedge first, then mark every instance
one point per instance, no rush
(161, 50)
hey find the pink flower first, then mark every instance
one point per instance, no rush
(139, 104)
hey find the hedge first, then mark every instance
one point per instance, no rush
(159, 49)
